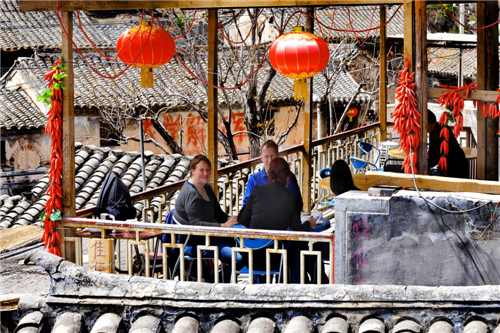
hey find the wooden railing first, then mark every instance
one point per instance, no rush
(138, 240)
(233, 178)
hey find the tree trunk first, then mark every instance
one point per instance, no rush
(174, 147)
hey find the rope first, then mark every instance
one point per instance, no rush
(224, 88)
(463, 25)
(85, 59)
(95, 47)
(350, 23)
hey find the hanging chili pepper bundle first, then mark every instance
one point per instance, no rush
(52, 210)
(407, 118)
(453, 100)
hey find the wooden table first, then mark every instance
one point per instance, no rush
(470, 153)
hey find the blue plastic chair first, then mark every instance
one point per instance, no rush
(360, 164)
(257, 244)
(366, 148)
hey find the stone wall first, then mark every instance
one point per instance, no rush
(405, 240)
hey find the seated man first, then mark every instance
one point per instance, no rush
(457, 164)
(269, 151)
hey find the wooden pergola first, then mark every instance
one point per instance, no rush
(415, 46)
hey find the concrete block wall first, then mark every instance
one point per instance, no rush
(404, 240)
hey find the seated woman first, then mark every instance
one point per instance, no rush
(341, 178)
(273, 207)
(198, 205)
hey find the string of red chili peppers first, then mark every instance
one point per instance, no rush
(52, 210)
(407, 118)
(453, 100)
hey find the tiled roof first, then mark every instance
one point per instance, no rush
(32, 30)
(82, 300)
(92, 90)
(91, 166)
(358, 18)
(444, 62)
(17, 111)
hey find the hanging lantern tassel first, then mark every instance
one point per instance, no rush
(300, 89)
(147, 78)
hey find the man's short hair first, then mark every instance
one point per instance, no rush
(270, 144)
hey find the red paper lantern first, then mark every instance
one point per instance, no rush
(299, 55)
(146, 47)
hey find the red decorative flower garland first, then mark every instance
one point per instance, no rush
(53, 97)
(407, 118)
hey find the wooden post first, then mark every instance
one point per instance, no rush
(382, 81)
(409, 32)
(212, 131)
(421, 80)
(308, 119)
(487, 79)
(68, 134)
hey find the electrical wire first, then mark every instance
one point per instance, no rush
(464, 246)
(435, 205)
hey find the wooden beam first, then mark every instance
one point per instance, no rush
(308, 119)
(373, 178)
(382, 81)
(421, 80)
(487, 79)
(73, 5)
(212, 128)
(474, 95)
(68, 134)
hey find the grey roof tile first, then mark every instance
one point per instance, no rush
(299, 324)
(30, 30)
(444, 62)
(30, 323)
(186, 324)
(18, 112)
(407, 326)
(372, 325)
(226, 326)
(356, 18)
(91, 165)
(146, 324)
(336, 324)
(262, 325)
(107, 323)
(476, 326)
(68, 322)
(441, 326)
(124, 91)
